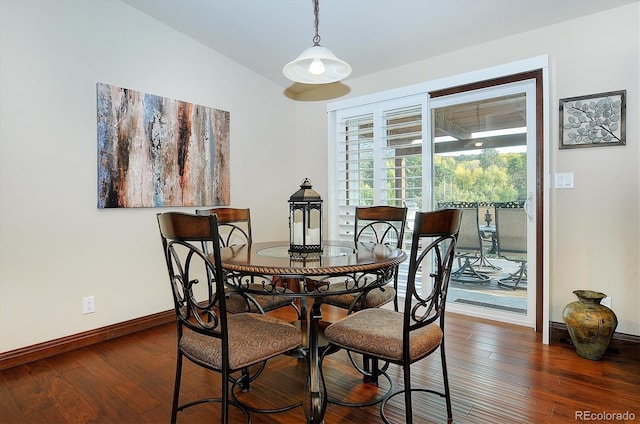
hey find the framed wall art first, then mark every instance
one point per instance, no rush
(593, 121)
(156, 152)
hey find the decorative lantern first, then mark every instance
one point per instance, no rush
(305, 221)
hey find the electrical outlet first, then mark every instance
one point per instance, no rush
(88, 305)
(606, 302)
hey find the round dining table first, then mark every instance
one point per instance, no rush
(265, 267)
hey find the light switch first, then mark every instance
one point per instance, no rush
(564, 180)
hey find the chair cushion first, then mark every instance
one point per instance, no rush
(253, 338)
(374, 299)
(378, 332)
(236, 303)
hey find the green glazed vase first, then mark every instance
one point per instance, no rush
(590, 324)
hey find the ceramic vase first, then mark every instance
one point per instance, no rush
(590, 324)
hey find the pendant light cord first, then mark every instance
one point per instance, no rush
(316, 12)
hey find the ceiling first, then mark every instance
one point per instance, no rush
(371, 35)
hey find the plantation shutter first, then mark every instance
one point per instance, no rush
(401, 174)
(355, 169)
(379, 161)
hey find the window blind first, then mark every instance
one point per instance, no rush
(379, 162)
(355, 167)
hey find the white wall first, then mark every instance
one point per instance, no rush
(55, 245)
(595, 228)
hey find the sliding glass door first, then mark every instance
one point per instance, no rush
(483, 145)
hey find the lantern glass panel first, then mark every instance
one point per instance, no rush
(297, 226)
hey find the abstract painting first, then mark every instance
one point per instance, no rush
(154, 151)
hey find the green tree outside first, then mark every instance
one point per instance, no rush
(489, 176)
(486, 177)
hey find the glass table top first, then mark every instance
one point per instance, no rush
(328, 251)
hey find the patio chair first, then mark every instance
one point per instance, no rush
(469, 247)
(487, 226)
(511, 235)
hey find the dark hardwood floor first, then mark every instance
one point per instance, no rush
(498, 373)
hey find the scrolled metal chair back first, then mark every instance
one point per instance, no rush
(380, 225)
(196, 276)
(432, 250)
(234, 225)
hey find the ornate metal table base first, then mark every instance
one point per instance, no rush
(364, 267)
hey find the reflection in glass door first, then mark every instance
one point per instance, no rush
(483, 145)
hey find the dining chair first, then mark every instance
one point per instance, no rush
(375, 225)
(207, 335)
(234, 227)
(511, 235)
(406, 337)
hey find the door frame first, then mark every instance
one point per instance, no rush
(539, 66)
(541, 164)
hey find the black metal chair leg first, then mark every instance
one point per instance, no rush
(445, 378)
(408, 404)
(176, 389)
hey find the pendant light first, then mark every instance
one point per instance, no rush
(317, 64)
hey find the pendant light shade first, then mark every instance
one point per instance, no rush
(317, 64)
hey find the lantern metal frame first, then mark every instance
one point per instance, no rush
(305, 240)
